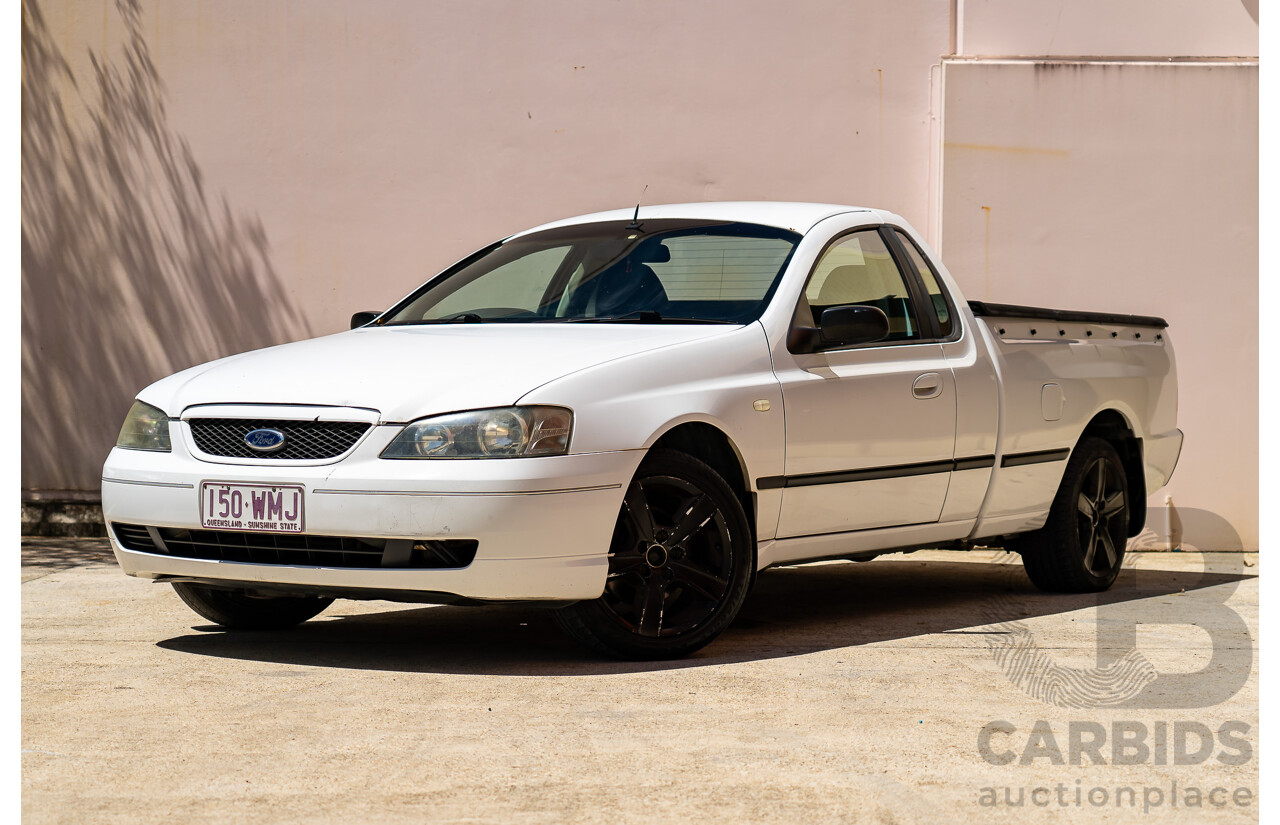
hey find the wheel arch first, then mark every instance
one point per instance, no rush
(1113, 427)
(712, 446)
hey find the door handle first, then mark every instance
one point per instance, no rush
(928, 385)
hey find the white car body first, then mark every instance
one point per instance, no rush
(840, 456)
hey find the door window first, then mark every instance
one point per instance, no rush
(858, 269)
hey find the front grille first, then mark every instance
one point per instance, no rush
(302, 439)
(291, 548)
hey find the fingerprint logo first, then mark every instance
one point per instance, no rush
(1028, 666)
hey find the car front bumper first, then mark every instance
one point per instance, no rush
(543, 525)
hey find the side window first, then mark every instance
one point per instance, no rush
(858, 269)
(520, 284)
(930, 279)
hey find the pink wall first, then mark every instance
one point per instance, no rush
(380, 141)
(275, 166)
(374, 143)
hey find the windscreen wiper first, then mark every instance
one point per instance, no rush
(646, 316)
(460, 318)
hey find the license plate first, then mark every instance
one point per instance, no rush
(275, 508)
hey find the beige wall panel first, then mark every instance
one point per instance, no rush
(1130, 188)
(1114, 28)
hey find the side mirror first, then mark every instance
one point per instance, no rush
(846, 325)
(362, 318)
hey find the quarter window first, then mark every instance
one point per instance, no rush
(930, 278)
(858, 269)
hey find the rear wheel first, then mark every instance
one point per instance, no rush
(680, 564)
(237, 609)
(1081, 546)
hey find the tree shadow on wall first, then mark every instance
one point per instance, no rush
(130, 269)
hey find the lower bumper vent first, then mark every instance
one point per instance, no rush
(298, 550)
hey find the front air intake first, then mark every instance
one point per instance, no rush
(297, 550)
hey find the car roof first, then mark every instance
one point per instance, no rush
(797, 217)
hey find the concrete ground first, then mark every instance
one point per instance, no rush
(843, 693)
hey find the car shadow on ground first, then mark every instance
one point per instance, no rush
(791, 611)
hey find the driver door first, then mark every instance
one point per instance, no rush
(870, 428)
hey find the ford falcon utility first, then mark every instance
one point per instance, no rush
(624, 416)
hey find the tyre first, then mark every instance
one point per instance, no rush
(680, 564)
(1081, 546)
(238, 610)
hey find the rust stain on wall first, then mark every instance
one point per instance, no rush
(879, 134)
(986, 253)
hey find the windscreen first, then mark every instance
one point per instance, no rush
(660, 271)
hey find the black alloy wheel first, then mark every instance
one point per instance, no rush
(680, 564)
(1081, 547)
(1100, 509)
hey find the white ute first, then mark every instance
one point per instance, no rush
(624, 416)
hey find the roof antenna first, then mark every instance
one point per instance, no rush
(635, 219)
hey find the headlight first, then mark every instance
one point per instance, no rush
(506, 432)
(145, 428)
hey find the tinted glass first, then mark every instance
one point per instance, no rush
(930, 278)
(720, 268)
(661, 271)
(518, 285)
(858, 269)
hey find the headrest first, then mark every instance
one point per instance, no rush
(651, 251)
(628, 287)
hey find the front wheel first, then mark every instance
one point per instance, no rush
(680, 564)
(1081, 546)
(238, 610)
